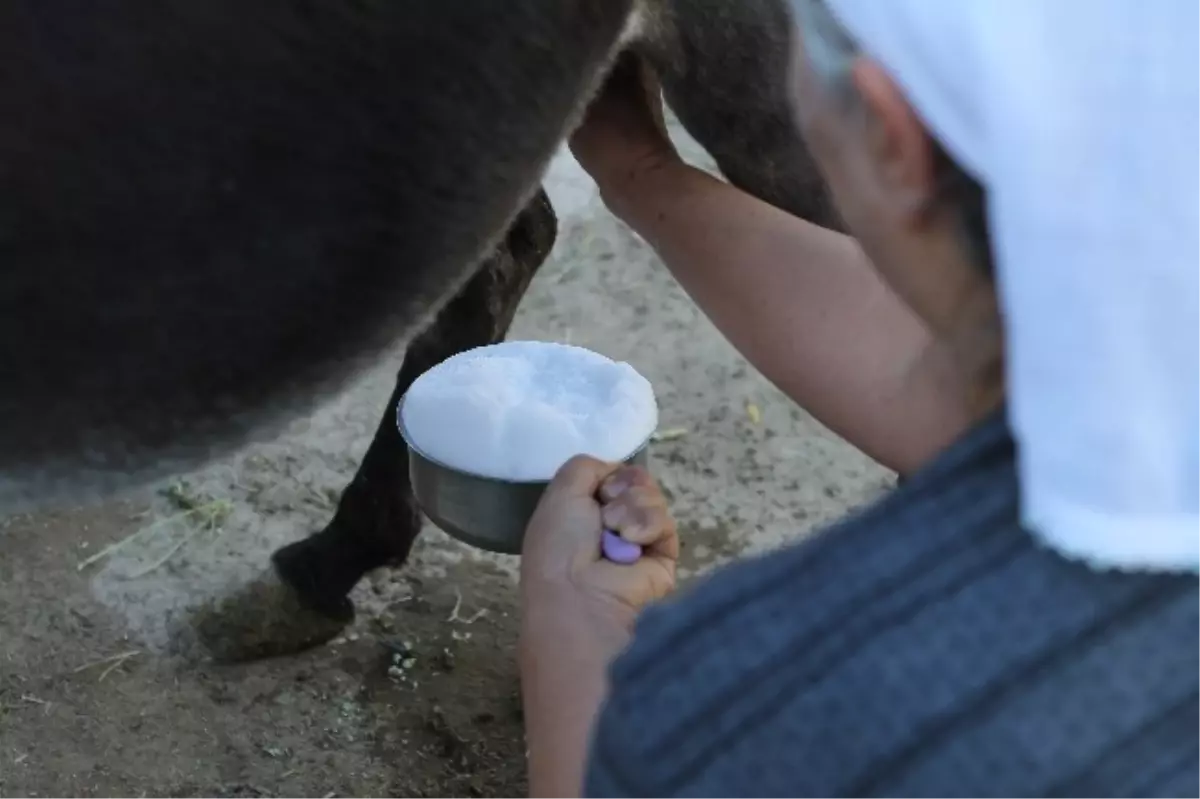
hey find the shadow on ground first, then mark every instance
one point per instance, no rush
(102, 692)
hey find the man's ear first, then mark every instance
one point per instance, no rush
(898, 145)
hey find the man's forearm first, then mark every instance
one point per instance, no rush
(806, 307)
(563, 659)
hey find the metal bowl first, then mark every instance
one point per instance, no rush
(485, 512)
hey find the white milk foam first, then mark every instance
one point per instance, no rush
(520, 409)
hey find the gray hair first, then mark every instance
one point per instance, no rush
(830, 49)
(831, 52)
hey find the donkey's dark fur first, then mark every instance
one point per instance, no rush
(213, 212)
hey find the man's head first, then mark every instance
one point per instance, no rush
(917, 215)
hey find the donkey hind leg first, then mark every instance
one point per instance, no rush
(713, 51)
(303, 601)
(377, 519)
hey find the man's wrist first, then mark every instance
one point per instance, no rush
(556, 619)
(563, 654)
(638, 193)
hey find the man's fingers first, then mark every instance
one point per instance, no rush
(641, 516)
(640, 507)
(622, 479)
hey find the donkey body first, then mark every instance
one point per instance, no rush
(213, 213)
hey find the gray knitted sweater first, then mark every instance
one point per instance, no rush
(928, 646)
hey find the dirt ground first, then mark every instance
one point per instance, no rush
(103, 693)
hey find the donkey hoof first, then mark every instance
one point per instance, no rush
(264, 618)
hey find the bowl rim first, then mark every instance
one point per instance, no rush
(507, 481)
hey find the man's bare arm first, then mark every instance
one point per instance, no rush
(806, 307)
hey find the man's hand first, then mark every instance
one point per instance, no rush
(623, 136)
(578, 609)
(562, 560)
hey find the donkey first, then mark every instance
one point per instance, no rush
(213, 214)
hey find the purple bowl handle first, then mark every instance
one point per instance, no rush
(617, 549)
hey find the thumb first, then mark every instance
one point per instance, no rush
(634, 585)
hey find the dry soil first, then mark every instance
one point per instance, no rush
(99, 697)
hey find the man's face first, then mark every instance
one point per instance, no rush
(876, 156)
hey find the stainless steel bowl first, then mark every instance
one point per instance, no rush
(485, 512)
